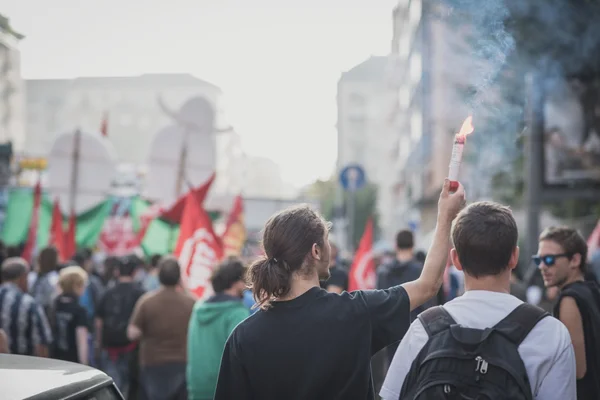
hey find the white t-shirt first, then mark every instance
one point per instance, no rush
(546, 352)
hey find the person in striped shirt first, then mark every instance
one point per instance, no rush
(23, 320)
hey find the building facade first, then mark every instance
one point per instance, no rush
(430, 67)
(130, 105)
(12, 88)
(366, 134)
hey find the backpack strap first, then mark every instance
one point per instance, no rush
(435, 320)
(517, 325)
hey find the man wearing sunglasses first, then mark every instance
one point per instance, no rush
(561, 259)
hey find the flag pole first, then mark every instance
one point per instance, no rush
(74, 171)
(181, 179)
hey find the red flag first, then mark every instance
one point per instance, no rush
(175, 212)
(57, 236)
(198, 248)
(104, 125)
(70, 244)
(362, 272)
(33, 223)
(234, 236)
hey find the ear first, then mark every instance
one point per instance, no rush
(316, 252)
(514, 258)
(455, 260)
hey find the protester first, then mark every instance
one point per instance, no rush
(338, 279)
(210, 326)
(160, 322)
(403, 268)
(44, 288)
(21, 317)
(501, 348)
(111, 271)
(95, 287)
(306, 343)
(112, 317)
(561, 258)
(151, 281)
(69, 318)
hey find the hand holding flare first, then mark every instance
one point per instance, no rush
(457, 151)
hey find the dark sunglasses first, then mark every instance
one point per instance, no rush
(548, 259)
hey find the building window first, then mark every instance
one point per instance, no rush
(404, 46)
(414, 13)
(416, 67)
(404, 97)
(416, 126)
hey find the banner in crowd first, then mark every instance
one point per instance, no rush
(19, 212)
(198, 248)
(118, 237)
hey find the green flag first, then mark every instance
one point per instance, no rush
(18, 217)
(161, 237)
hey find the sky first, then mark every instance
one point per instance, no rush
(277, 61)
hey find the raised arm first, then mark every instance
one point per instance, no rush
(430, 281)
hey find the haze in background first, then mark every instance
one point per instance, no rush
(277, 62)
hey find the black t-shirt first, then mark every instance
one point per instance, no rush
(587, 296)
(338, 277)
(68, 315)
(115, 309)
(316, 346)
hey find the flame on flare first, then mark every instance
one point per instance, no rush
(466, 128)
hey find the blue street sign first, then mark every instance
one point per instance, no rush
(353, 177)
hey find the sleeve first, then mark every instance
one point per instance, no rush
(41, 334)
(233, 381)
(81, 318)
(389, 313)
(410, 347)
(560, 382)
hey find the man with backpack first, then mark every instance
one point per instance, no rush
(112, 318)
(485, 344)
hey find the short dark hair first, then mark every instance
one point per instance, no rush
(288, 238)
(13, 268)
(227, 274)
(155, 260)
(169, 272)
(484, 235)
(570, 240)
(128, 265)
(48, 260)
(405, 240)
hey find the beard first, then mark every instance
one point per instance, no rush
(323, 272)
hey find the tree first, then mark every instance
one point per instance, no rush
(365, 204)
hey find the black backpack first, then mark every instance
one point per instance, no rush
(472, 364)
(118, 307)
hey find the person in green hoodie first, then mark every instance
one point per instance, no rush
(210, 325)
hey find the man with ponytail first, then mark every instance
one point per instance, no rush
(306, 343)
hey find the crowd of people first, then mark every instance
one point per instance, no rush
(454, 323)
(130, 318)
